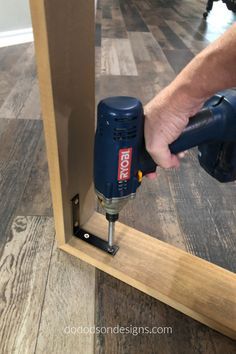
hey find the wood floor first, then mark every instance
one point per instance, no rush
(140, 46)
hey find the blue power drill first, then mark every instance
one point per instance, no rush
(121, 159)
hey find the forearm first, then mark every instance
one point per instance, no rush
(211, 70)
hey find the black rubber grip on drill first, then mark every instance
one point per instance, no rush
(202, 128)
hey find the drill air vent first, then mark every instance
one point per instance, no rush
(125, 119)
(120, 134)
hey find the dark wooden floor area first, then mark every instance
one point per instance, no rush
(140, 46)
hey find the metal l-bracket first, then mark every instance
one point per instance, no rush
(87, 236)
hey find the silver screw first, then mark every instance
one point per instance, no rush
(76, 201)
(76, 223)
(86, 235)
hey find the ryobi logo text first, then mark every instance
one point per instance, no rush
(125, 159)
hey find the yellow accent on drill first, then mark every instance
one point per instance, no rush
(140, 176)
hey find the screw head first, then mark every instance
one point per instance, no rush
(76, 223)
(76, 201)
(86, 235)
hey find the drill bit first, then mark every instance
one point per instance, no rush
(111, 233)
(111, 218)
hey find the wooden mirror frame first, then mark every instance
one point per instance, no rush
(64, 42)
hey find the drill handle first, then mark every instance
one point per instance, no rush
(205, 126)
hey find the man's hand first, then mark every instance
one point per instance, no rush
(166, 116)
(168, 113)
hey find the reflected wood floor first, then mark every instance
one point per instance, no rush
(140, 46)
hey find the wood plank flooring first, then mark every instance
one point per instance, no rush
(24, 267)
(140, 46)
(18, 144)
(68, 303)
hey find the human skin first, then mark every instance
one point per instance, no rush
(168, 113)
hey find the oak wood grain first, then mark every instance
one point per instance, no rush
(61, 70)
